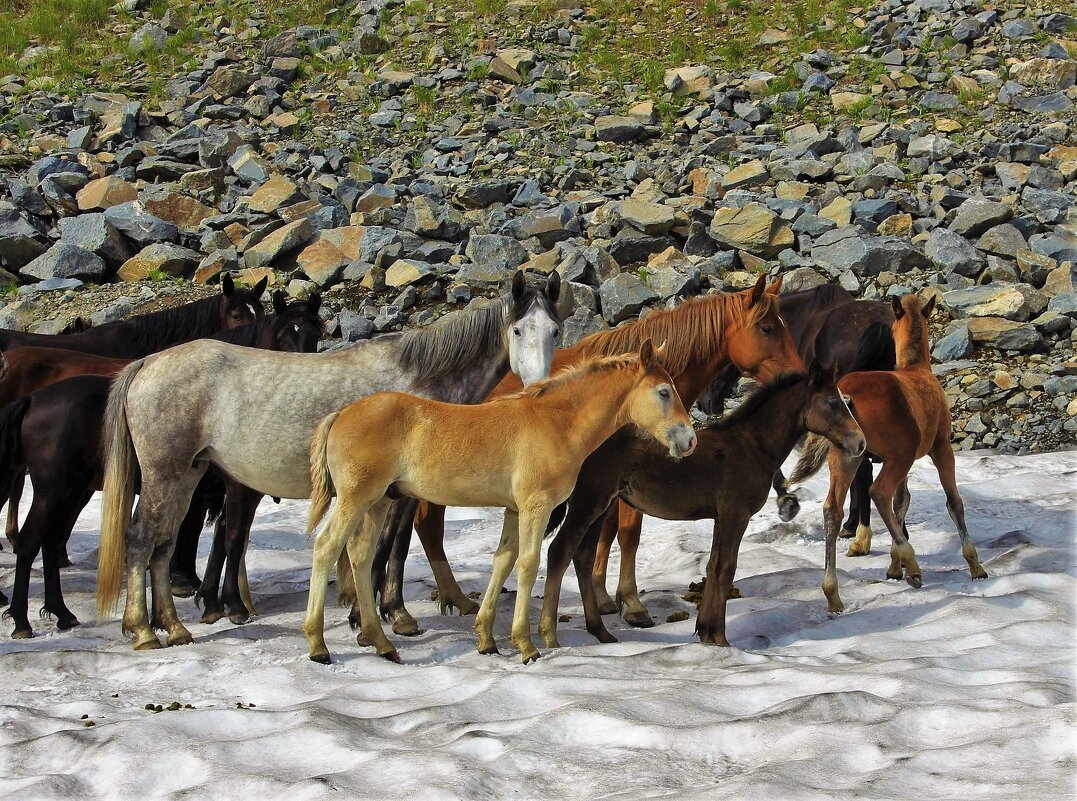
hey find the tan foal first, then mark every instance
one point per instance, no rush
(521, 452)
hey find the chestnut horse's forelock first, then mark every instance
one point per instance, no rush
(692, 330)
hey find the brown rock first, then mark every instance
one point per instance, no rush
(184, 211)
(104, 193)
(276, 192)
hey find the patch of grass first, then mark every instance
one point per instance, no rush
(157, 275)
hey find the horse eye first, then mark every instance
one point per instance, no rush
(663, 393)
(832, 403)
(516, 332)
(767, 329)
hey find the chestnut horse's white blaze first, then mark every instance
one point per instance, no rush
(522, 452)
(253, 414)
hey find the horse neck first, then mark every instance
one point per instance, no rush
(591, 408)
(473, 383)
(775, 427)
(913, 354)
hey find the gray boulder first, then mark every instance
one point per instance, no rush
(623, 296)
(64, 260)
(953, 253)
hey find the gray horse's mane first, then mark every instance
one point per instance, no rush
(454, 343)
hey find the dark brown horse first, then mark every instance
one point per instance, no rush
(56, 432)
(904, 415)
(726, 479)
(147, 333)
(701, 337)
(825, 323)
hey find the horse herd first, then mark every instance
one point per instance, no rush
(462, 412)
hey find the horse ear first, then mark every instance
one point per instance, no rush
(519, 284)
(757, 290)
(815, 372)
(553, 286)
(280, 304)
(646, 354)
(930, 306)
(227, 286)
(899, 312)
(775, 288)
(260, 287)
(314, 302)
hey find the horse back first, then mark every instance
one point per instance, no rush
(31, 368)
(901, 410)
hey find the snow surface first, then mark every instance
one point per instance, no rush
(958, 690)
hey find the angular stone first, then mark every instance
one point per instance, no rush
(977, 214)
(581, 324)
(848, 249)
(995, 332)
(405, 272)
(651, 218)
(953, 253)
(64, 260)
(20, 242)
(669, 282)
(276, 192)
(95, 233)
(1016, 302)
(753, 228)
(623, 296)
(502, 252)
(482, 276)
(482, 194)
(226, 82)
(433, 221)
(956, 344)
(896, 225)
(751, 174)
(163, 257)
(839, 210)
(281, 241)
(248, 166)
(103, 193)
(134, 220)
(322, 262)
(217, 262)
(688, 80)
(1002, 240)
(379, 196)
(182, 210)
(612, 128)
(844, 101)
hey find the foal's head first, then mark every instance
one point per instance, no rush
(655, 406)
(827, 411)
(910, 330)
(240, 306)
(758, 340)
(533, 326)
(297, 327)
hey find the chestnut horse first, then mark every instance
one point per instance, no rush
(701, 336)
(727, 479)
(904, 415)
(522, 452)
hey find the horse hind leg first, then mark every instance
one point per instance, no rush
(606, 604)
(504, 560)
(788, 502)
(628, 533)
(398, 529)
(857, 526)
(884, 490)
(842, 474)
(942, 456)
(430, 526)
(360, 548)
(18, 482)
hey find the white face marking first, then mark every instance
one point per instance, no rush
(295, 327)
(251, 307)
(531, 350)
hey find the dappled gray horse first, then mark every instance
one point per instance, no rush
(253, 414)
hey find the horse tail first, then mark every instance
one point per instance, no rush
(557, 517)
(875, 351)
(11, 456)
(3, 366)
(812, 456)
(118, 492)
(321, 481)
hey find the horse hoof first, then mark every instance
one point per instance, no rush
(835, 609)
(361, 639)
(67, 623)
(181, 639)
(914, 581)
(149, 645)
(392, 656)
(527, 657)
(895, 576)
(22, 634)
(856, 550)
(321, 659)
(183, 590)
(490, 650)
(603, 636)
(239, 618)
(847, 534)
(608, 608)
(788, 508)
(979, 573)
(639, 620)
(211, 617)
(407, 628)
(734, 592)
(354, 621)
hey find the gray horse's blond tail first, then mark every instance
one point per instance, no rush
(812, 457)
(121, 464)
(321, 481)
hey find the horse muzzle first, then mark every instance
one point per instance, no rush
(682, 441)
(854, 445)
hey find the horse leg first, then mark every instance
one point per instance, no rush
(329, 546)
(532, 527)
(606, 605)
(630, 525)
(240, 505)
(942, 455)
(18, 481)
(842, 473)
(244, 585)
(883, 491)
(182, 573)
(788, 502)
(361, 546)
(858, 522)
(583, 560)
(721, 568)
(579, 518)
(430, 526)
(392, 589)
(504, 559)
(148, 543)
(63, 520)
(30, 540)
(209, 589)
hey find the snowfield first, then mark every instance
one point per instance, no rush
(958, 690)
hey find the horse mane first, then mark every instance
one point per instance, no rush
(202, 317)
(573, 371)
(691, 330)
(821, 297)
(458, 340)
(875, 351)
(755, 401)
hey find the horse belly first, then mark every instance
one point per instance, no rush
(279, 469)
(461, 490)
